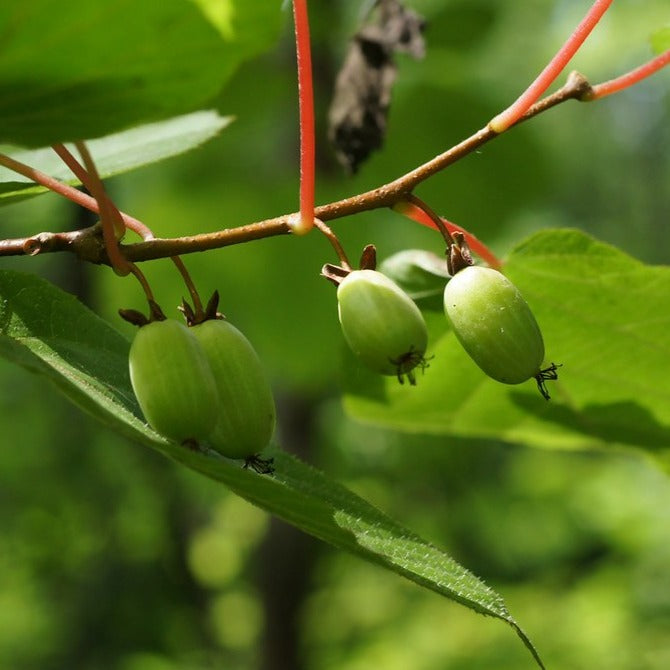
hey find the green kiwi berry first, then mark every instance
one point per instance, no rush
(246, 410)
(381, 324)
(496, 327)
(173, 382)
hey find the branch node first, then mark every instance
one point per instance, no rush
(88, 245)
(580, 85)
(298, 225)
(34, 245)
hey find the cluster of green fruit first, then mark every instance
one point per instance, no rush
(203, 385)
(386, 331)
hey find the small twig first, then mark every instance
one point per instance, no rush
(136, 226)
(332, 238)
(193, 292)
(139, 275)
(416, 214)
(384, 196)
(437, 222)
(85, 243)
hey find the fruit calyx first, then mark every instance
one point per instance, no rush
(210, 312)
(459, 256)
(136, 318)
(337, 273)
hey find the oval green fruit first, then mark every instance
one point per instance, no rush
(246, 411)
(494, 324)
(173, 382)
(381, 324)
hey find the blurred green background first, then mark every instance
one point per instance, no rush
(112, 558)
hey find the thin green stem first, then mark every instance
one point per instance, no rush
(139, 275)
(193, 292)
(335, 242)
(436, 221)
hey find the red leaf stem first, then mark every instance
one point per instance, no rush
(59, 187)
(112, 226)
(630, 78)
(415, 213)
(306, 113)
(78, 170)
(522, 104)
(136, 226)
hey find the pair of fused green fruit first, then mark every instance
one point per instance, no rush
(387, 332)
(203, 384)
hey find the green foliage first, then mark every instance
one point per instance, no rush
(422, 274)
(49, 332)
(118, 559)
(116, 153)
(660, 40)
(111, 64)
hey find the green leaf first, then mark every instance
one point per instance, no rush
(421, 274)
(116, 153)
(81, 69)
(307, 499)
(604, 315)
(251, 26)
(52, 334)
(660, 40)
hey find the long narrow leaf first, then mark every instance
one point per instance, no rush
(52, 334)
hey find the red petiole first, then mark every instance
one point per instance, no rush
(417, 214)
(381, 197)
(306, 111)
(110, 220)
(630, 78)
(65, 190)
(532, 94)
(78, 170)
(138, 227)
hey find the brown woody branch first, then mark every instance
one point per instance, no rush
(88, 245)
